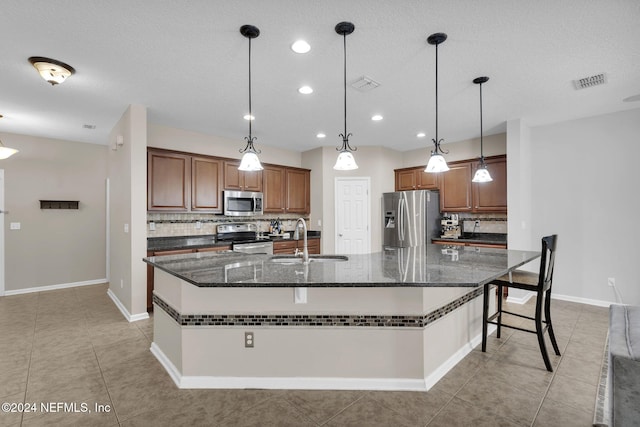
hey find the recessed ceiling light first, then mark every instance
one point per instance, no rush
(305, 90)
(376, 118)
(321, 135)
(421, 134)
(248, 117)
(300, 46)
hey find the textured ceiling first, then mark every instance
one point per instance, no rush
(187, 63)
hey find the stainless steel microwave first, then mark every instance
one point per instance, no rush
(242, 203)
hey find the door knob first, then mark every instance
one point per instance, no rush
(339, 235)
(4, 212)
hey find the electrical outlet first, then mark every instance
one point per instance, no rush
(121, 283)
(152, 226)
(611, 281)
(248, 339)
(477, 223)
(198, 225)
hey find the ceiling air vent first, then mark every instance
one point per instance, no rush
(598, 79)
(87, 126)
(365, 84)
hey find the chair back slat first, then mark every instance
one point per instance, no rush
(547, 260)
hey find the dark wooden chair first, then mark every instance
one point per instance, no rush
(542, 288)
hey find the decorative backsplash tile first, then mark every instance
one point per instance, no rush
(193, 224)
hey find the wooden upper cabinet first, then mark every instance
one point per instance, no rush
(426, 181)
(298, 183)
(274, 188)
(206, 184)
(406, 180)
(491, 196)
(235, 179)
(168, 181)
(415, 179)
(455, 188)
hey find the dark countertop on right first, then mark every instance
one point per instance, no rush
(479, 238)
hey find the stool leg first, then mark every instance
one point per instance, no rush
(485, 315)
(499, 295)
(547, 317)
(540, 332)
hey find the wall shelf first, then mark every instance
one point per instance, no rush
(59, 204)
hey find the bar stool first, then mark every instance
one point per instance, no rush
(542, 288)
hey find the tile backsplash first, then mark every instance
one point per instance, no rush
(488, 223)
(194, 224)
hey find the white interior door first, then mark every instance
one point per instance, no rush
(2, 215)
(353, 231)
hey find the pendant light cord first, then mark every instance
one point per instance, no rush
(250, 115)
(481, 132)
(436, 140)
(344, 38)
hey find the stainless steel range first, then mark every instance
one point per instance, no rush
(244, 238)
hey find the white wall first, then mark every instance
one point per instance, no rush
(54, 247)
(128, 205)
(193, 142)
(493, 145)
(585, 189)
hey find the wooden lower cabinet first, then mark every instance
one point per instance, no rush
(463, 243)
(289, 247)
(173, 252)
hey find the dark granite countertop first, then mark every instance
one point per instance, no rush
(481, 238)
(203, 241)
(430, 265)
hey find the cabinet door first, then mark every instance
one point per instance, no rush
(214, 249)
(426, 181)
(235, 179)
(232, 176)
(251, 181)
(405, 180)
(285, 247)
(274, 189)
(206, 185)
(168, 181)
(298, 184)
(455, 188)
(492, 196)
(313, 245)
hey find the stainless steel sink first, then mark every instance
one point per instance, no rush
(292, 259)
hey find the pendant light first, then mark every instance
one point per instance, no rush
(250, 161)
(482, 174)
(437, 163)
(345, 160)
(6, 152)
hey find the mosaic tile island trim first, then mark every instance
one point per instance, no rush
(317, 320)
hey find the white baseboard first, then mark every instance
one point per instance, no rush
(286, 383)
(587, 301)
(130, 317)
(54, 287)
(522, 300)
(315, 383)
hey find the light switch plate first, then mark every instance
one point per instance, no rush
(14, 226)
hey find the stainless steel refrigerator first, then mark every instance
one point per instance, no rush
(410, 218)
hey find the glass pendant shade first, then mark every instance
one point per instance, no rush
(345, 162)
(437, 163)
(250, 162)
(482, 174)
(6, 152)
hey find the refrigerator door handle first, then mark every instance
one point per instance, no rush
(399, 219)
(403, 209)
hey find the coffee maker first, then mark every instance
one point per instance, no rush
(450, 226)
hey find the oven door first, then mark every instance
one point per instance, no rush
(242, 203)
(254, 248)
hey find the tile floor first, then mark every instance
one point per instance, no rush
(74, 346)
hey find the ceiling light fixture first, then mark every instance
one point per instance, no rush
(482, 174)
(250, 161)
(305, 90)
(437, 163)
(345, 160)
(300, 46)
(248, 117)
(321, 135)
(421, 134)
(6, 152)
(51, 70)
(376, 118)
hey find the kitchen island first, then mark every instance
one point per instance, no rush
(393, 320)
